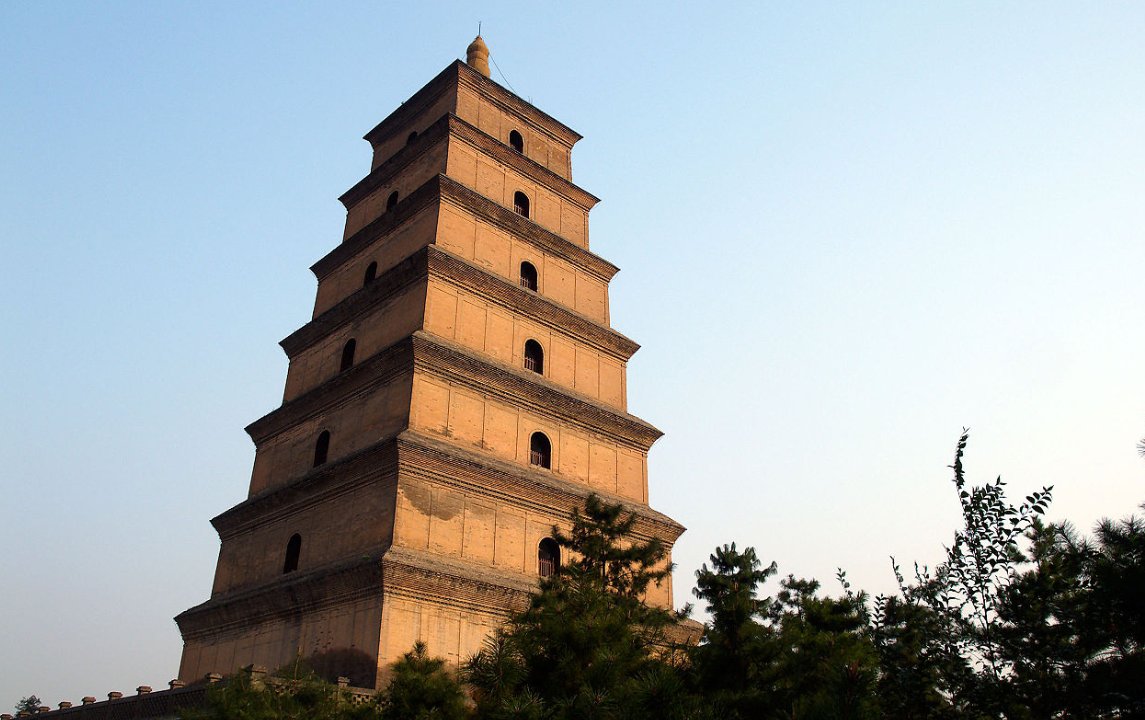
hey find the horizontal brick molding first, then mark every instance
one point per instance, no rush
(441, 358)
(442, 188)
(284, 598)
(451, 126)
(432, 261)
(457, 73)
(517, 485)
(374, 464)
(528, 390)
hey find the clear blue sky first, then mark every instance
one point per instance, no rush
(846, 230)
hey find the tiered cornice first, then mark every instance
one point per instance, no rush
(385, 173)
(417, 455)
(500, 216)
(528, 390)
(452, 362)
(464, 198)
(397, 122)
(496, 289)
(419, 575)
(413, 574)
(453, 126)
(370, 374)
(284, 598)
(376, 463)
(435, 262)
(494, 148)
(498, 480)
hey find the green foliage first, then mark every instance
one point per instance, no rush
(302, 698)
(920, 667)
(797, 655)
(1042, 615)
(605, 555)
(1023, 620)
(826, 661)
(941, 644)
(1071, 624)
(29, 704)
(982, 561)
(730, 664)
(587, 646)
(422, 689)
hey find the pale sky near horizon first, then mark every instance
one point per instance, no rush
(846, 230)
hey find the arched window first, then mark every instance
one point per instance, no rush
(371, 273)
(521, 203)
(548, 557)
(322, 448)
(293, 549)
(348, 355)
(528, 276)
(540, 451)
(392, 200)
(412, 137)
(534, 357)
(516, 141)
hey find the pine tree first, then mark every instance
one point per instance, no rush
(732, 660)
(422, 689)
(587, 646)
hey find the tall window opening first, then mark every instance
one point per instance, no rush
(348, 355)
(528, 276)
(540, 451)
(371, 273)
(412, 137)
(293, 549)
(521, 203)
(548, 557)
(534, 357)
(516, 141)
(322, 448)
(392, 200)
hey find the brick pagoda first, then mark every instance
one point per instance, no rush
(457, 392)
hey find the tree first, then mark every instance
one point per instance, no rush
(966, 589)
(604, 555)
(942, 642)
(30, 704)
(825, 665)
(291, 693)
(1042, 615)
(730, 661)
(798, 655)
(920, 668)
(586, 646)
(1114, 573)
(982, 561)
(1071, 624)
(422, 689)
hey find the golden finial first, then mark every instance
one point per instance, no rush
(477, 56)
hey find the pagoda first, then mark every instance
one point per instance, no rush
(457, 393)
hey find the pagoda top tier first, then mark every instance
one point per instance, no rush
(463, 91)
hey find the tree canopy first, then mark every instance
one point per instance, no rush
(1023, 619)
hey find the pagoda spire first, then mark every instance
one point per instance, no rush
(477, 56)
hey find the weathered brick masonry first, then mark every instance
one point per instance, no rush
(457, 392)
